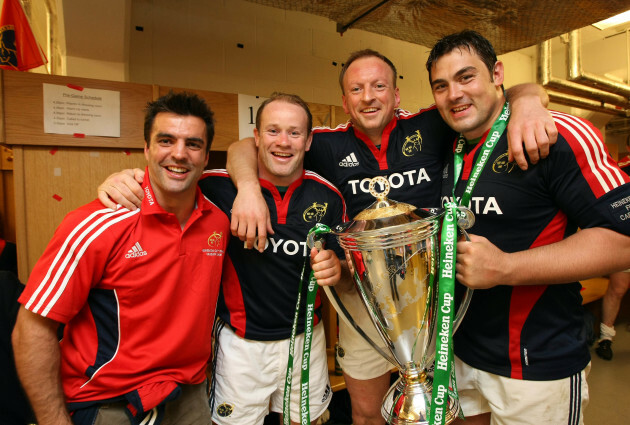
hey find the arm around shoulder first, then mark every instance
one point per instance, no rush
(531, 128)
(250, 214)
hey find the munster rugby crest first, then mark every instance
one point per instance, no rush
(214, 240)
(225, 409)
(315, 213)
(501, 165)
(413, 144)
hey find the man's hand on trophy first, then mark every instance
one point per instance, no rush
(122, 188)
(326, 267)
(480, 264)
(250, 218)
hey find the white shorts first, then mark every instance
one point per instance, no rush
(250, 375)
(356, 357)
(512, 401)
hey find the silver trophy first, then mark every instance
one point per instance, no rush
(393, 249)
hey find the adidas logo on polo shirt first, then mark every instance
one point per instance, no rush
(349, 161)
(135, 251)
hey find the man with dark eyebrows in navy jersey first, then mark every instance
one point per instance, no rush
(521, 355)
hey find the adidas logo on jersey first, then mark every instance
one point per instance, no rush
(349, 161)
(135, 251)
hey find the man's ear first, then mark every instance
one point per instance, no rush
(146, 151)
(309, 141)
(498, 73)
(256, 136)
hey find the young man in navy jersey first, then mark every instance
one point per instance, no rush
(259, 290)
(380, 139)
(136, 291)
(521, 353)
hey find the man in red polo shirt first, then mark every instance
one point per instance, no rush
(136, 291)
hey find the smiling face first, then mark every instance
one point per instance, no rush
(370, 96)
(282, 139)
(176, 156)
(467, 96)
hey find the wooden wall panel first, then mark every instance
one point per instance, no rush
(7, 195)
(55, 182)
(339, 116)
(322, 114)
(225, 108)
(24, 111)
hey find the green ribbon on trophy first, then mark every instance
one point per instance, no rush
(444, 357)
(311, 294)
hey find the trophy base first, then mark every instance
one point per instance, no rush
(407, 402)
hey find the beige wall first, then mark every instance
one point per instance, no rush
(188, 43)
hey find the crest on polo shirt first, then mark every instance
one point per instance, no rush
(315, 213)
(501, 165)
(413, 144)
(214, 240)
(225, 409)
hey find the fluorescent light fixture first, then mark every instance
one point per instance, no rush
(613, 21)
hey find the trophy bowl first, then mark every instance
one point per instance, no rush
(393, 253)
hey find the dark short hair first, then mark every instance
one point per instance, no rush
(182, 103)
(365, 53)
(471, 40)
(289, 98)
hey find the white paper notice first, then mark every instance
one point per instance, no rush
(90, 112)
(247, 108)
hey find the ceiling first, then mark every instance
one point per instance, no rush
(508, 24)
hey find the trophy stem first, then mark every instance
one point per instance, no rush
(408, 401)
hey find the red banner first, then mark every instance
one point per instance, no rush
(18, 48)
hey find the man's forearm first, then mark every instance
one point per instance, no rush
(588, 253)
(37, 359)
(519, 91)
(242, 163)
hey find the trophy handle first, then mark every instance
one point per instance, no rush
(315, 240)
(334, 299)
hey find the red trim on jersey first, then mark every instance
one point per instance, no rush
(282, 203)
(468, 158)
(314, 176)
(233, 297)
(341, 127)
(524, 298)
(624, 162)
(222, 172)
(3, 243)
(598, 168)
(379, 154)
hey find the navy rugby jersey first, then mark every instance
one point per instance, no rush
(411, 156)
(535, 332)
(259, 291)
